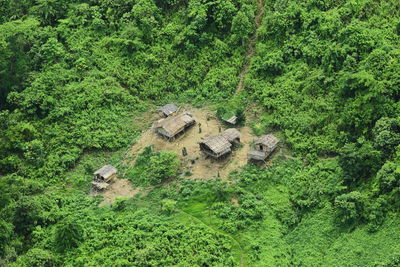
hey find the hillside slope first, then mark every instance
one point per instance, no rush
(79, 78)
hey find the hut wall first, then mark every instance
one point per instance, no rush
(163, 132)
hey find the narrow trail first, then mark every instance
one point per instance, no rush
(251, 47)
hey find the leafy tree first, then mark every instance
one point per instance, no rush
(69, 234)
(6, 235)
(350, 207)
(359, 161)
(389, 177)
(37, 257)
(241, 117)
(168, 206)
(242, 26)
(387, 134)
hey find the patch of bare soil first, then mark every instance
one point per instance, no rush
(196, 164)
(119, 188)
(235, 201)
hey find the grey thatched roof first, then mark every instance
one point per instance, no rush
(257, 155)
(218, 144)
(106, 171)
(173, 125)
(232, 120)
(231, 134)
(268, 140)
(169, 109)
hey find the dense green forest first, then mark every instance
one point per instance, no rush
(76, 77)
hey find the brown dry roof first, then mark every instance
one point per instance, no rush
(106, 171)
(173, 125)
(218, 144)
(268, 140)
(231, 134)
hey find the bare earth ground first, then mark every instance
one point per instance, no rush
(119, 188)
(195, 162)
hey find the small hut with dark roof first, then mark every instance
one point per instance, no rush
(172, 126)
(168, 110)
(263, 147)
(220, 145)
(104, 176)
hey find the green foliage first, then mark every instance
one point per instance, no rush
(37, 257)
(168, 206)
(324, 74)
(359, 161)
(6, 234)
(69, 234)
(387, 134)
(316, 185)
(350, 207)
(245, 213)
(152, 168)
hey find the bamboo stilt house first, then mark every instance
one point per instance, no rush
(263, 147)
(220, 145)
(104, 176)
(232, 135)
(172, 126)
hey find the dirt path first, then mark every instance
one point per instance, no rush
(251, 47)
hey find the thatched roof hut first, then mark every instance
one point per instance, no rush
(268, 141)
(263, 147)
(172, 126)
(232, 135)
(106, 173)
(220, 145)
(168, 110)
(103, 177)
(216, 146)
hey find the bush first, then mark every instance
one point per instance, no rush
(152, 168)
(350, 207)
(69, 234)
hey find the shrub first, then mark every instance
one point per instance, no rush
(152, 168)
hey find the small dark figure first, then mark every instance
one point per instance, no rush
(199, 127)
(219, 128)
(218, 174)
(193, 161)
(184, 152)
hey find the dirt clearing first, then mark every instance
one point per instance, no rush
(119, 188)
(195, 164)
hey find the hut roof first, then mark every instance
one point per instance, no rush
(231, 120)
(218, 144)
(173, 125)
(257, 155)
(268, 140)
(169, 109)
(231, 134)
(106, 171)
